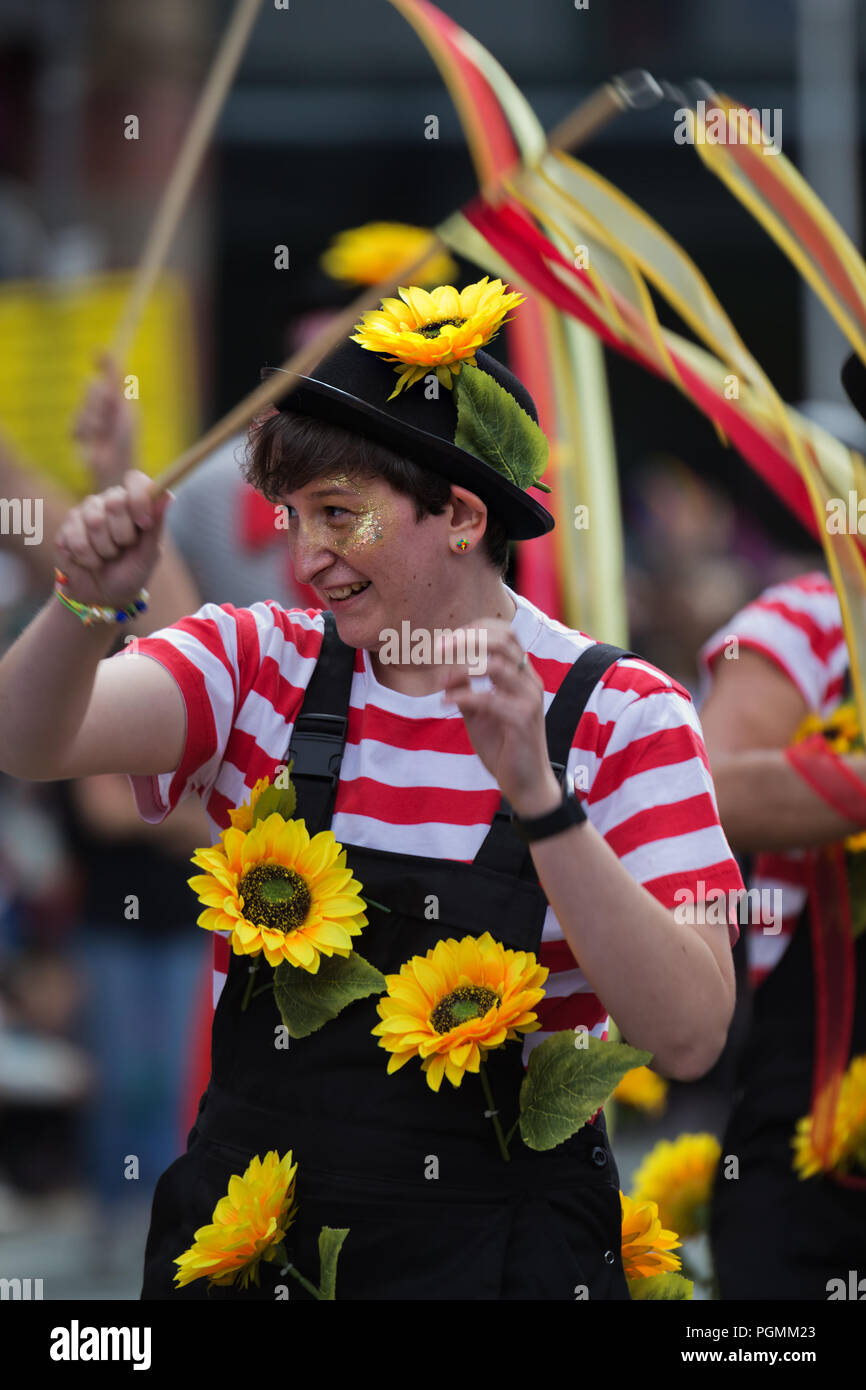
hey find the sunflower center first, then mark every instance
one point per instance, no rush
(469, 1001)
(431, 330)
(275, 896)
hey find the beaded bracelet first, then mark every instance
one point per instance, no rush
(94, 613)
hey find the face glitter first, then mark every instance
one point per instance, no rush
(368, 525)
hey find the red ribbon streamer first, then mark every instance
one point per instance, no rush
(509, 231)
(833, 960)
(829, 777)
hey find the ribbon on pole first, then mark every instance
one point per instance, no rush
(576, 573)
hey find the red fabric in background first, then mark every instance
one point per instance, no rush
(199, 1060)
(829, 777)
(833, 959)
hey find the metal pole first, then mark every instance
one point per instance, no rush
(827, 44)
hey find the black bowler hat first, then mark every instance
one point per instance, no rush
(351, 388)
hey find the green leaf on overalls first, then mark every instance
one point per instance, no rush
(330, 1245)
(307, 1002)
(569, 1077)
(669, 1286)
(281, 800)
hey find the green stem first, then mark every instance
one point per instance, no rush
(372, 903)
(311, 1288)
(510, 1135)
(491, 1106)
(249, 989)
(262, 990)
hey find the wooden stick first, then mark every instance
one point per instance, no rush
(281, 382)
(599, 108)
(583, 122)
(183, 174)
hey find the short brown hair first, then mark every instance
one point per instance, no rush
(286, 451)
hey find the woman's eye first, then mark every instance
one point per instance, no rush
(337, 511)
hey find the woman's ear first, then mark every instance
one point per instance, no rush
(468, 520)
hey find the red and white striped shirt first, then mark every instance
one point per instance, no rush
(798, 626)
(410, 781)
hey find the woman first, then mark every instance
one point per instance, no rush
(453, 798)
(804, 1227)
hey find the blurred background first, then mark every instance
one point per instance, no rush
(103, 983)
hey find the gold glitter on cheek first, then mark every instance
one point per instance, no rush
(373, 522)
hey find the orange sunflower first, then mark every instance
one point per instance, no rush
(642, 1089)
(279, 892)
(454, 1005)
(248, 1225)
(841, 731)
(436, 331)
(645, 1245)
(848, 1141)
(678, 1177)
(242, 816)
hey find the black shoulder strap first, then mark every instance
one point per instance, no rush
(572, 697)
(319, 733)
(502, 849)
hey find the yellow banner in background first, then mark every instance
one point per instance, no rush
(51, 334)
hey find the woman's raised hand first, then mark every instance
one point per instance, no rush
(109, 544)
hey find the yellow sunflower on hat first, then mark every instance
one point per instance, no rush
(440, 330)
(280, 892)
(452, 1006)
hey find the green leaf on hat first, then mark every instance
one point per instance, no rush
(494, 428)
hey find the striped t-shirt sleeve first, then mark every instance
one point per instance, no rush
(214, 657)
(797, 626)
(650, 791)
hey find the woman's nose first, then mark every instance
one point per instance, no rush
(309, 551)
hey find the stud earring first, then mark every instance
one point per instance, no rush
(462, 544)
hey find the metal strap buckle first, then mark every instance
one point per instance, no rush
(317, 746)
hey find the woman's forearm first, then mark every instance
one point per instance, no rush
(659, 978)
(764, 804)
(46, 681)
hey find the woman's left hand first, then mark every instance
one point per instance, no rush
(505, 724)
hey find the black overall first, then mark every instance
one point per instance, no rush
(775, 1235)
(434, 1210)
